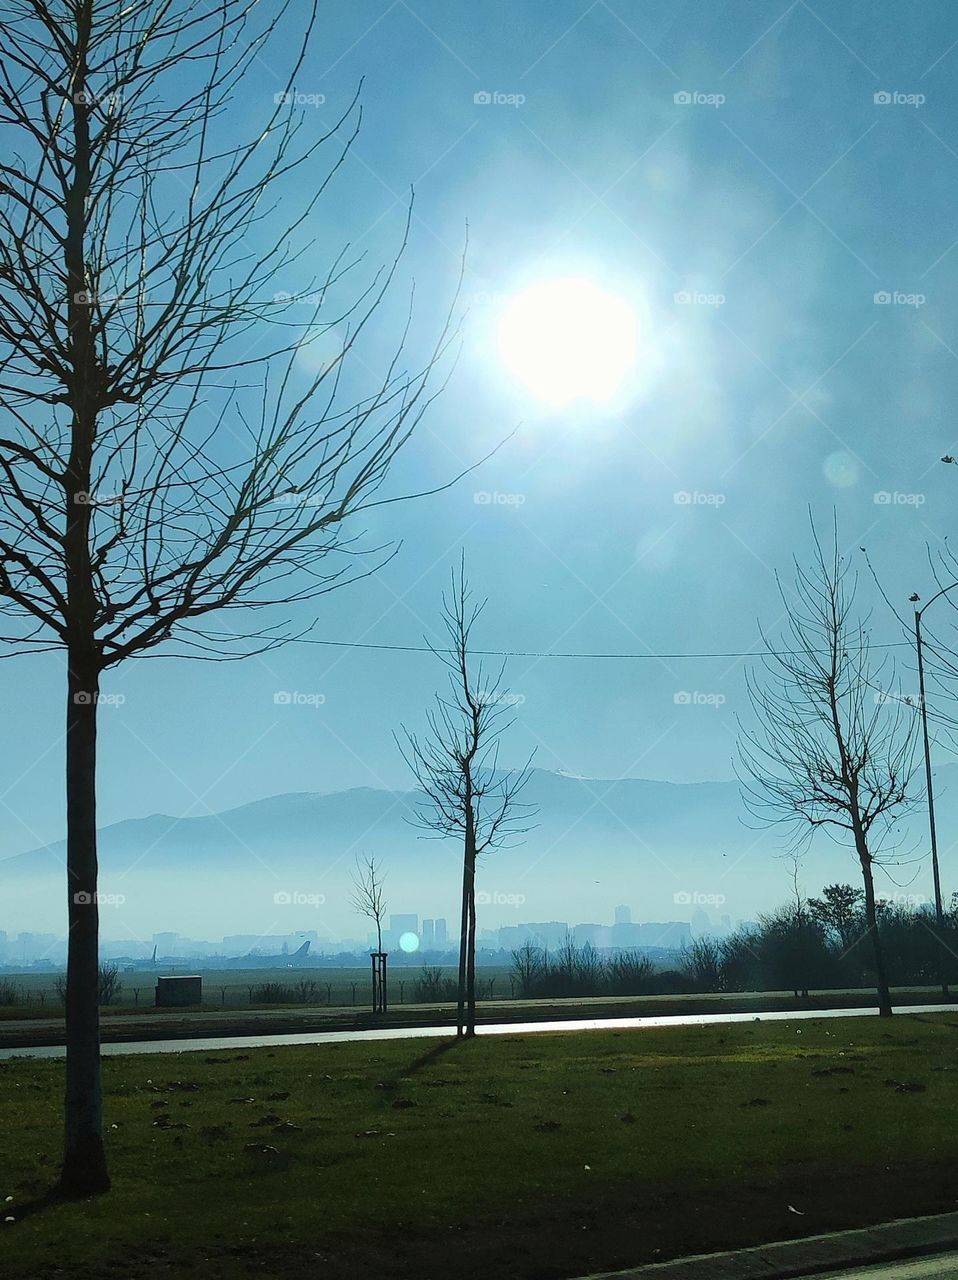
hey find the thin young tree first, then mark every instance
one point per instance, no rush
(369, 894)
(833, 747)
(163, 455)
(369, 899)
(465, 795)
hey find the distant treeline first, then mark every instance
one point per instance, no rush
(815, 944)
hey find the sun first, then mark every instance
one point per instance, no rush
(569, 340)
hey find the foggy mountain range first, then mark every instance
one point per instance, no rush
(283, 863)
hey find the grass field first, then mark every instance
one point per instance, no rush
(237, 988)
(529, 1156)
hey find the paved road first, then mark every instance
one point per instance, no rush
(944, 1266)
(490, 1029)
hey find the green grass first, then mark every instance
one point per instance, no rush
(233, 988)
(521, 1156)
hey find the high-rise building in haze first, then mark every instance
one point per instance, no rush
(701, 923)
(399, 925)
(441, 936)
(623, 915)
(427, 937)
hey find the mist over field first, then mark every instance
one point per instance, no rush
(666, 850)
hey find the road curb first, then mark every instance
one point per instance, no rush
(904, 1238)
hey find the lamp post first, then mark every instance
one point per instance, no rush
(929, 786)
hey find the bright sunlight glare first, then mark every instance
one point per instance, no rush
(568, 339)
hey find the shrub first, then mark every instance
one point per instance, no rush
(108, 984)
(9, 993)
(528, 964)
(272, 993)
(629, 973)
(702, 964)
(431, 985)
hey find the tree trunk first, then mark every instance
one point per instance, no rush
(871, 919)
(463, 944)
(84, 1160)
(471, 962)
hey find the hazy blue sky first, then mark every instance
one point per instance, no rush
(797, 199)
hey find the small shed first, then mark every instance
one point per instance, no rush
(175, 992)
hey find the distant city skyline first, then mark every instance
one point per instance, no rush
(28, 947)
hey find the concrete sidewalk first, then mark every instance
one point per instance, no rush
(815, 1255)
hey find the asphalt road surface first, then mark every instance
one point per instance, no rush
(488, 1029)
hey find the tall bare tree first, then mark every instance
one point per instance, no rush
(834, 746)
(466, 795)
(162, 456)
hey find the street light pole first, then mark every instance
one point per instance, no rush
(929, 785)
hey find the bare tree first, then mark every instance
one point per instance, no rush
(163, 457)
(368, 896)
(465, 793)
(528, 966)
(834, 748)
